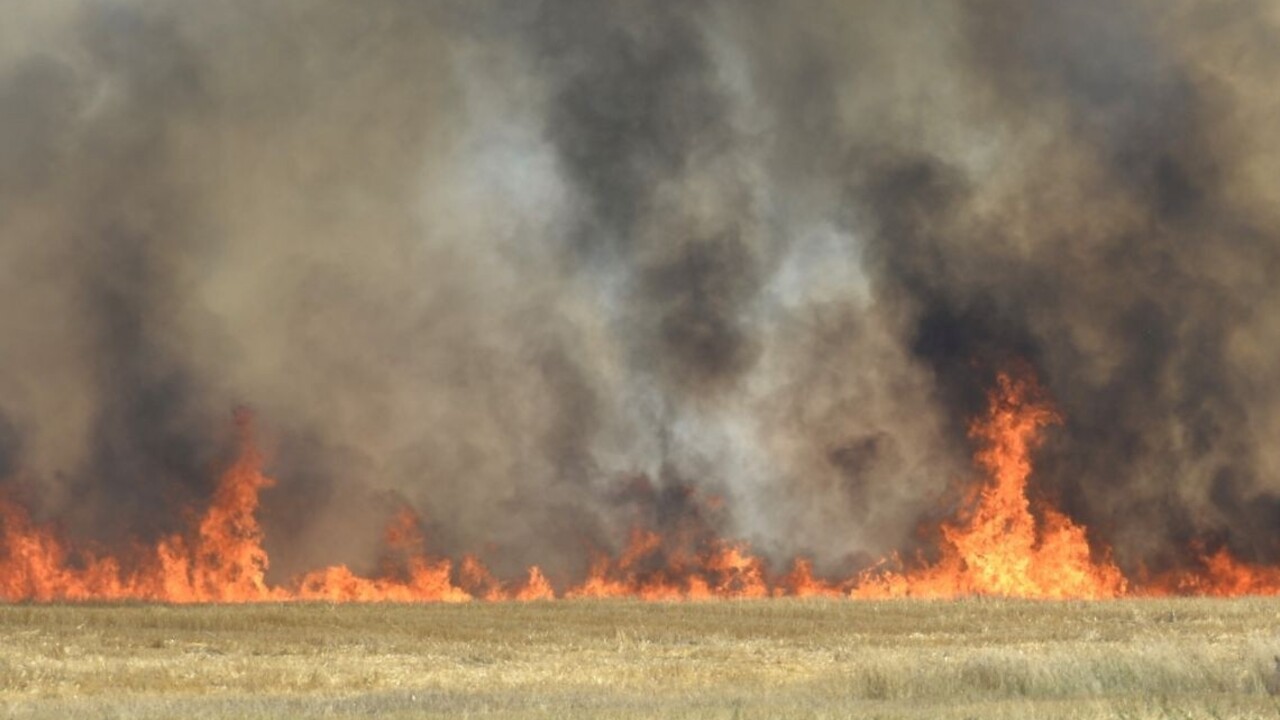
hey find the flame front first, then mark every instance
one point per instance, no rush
(1001, 547)
(998, 544)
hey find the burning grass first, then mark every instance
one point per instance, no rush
(999, 544)
(621, 659)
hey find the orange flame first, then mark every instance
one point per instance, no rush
(999, 544)
(1002, 547)
(649, 570)
(1216, 574)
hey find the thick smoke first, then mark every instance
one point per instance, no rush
(546, 270)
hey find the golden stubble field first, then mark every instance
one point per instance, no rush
(1184, 658)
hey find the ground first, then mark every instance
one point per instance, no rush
(621, 659)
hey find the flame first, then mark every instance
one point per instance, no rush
(1003, 547)
(1216, 574)
(222, 562)
(1000, 543)
(800, 582)
(650, 570)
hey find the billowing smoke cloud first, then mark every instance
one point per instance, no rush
(545, 270)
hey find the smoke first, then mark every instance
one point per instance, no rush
(546, 270)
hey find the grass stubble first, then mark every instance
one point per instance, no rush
(980, 658)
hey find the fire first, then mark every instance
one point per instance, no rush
(1002, 546)
(649, 570)
(1000, 543)
(222, 562)
(1217, 574)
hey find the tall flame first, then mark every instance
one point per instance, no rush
(1001, 546)
(999, 543)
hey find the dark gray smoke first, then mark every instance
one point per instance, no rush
(546, 270)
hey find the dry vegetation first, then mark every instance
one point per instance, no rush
(617, 659)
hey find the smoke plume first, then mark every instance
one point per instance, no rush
(547, 270)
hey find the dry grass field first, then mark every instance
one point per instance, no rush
(620, 659)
